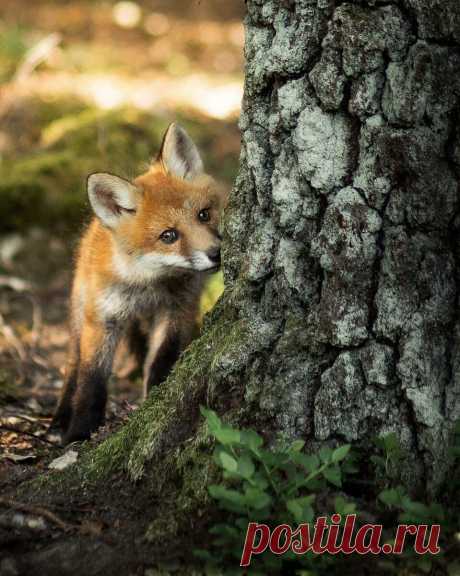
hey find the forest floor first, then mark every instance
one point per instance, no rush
(86, 86)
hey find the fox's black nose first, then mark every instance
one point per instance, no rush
(214, 255)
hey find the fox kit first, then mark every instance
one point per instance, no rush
(142, 261)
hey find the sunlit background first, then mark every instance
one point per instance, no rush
(89, 86)
(152, 55)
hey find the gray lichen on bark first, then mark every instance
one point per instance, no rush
(345, 216)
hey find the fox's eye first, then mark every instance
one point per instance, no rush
(203, 215)
(169, 236)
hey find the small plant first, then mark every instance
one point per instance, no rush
(284, 485)
(395, 500)
(411, 511)
(275, 487)
(386, 461)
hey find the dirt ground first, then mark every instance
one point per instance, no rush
(83, 88)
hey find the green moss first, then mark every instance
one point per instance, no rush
(47, 186)
(194, 471)
(20, 204)
(48, 111)
(164, 442)
(164, 528)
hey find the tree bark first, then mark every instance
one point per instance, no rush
(339, 319)
(344, 223)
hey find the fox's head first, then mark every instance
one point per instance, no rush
(165, 220)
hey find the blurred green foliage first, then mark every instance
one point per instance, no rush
(212, 292)
(12, 48)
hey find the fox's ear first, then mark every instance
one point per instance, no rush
(178, 155)
(111, 197)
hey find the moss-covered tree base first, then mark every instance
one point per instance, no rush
(147, 483)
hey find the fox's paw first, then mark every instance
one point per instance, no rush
(82, 427)
(75, 435)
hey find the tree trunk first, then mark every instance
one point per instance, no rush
(343, 226)
(339, 319)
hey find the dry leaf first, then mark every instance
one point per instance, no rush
(19, 457)
(92, 527)
(70, 457)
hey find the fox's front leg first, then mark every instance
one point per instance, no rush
(63, 413)
(96, 350)
(167, 341)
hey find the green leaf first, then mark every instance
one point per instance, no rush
(390, 497)
(391, 441)
(343, 507)
(260, 479)
(340, 453)
(301, 508)
(295, 479)
(309, 462)
(228, 462)
(424, 564)
(418, 512)
(225, 530)
(242, 523)
(246, 466)
(296, 446)
(251, 439)
(227, 435)
(221, 493)
(350, 464)
(202, 554)
(257, 499)
(377, 460)
(214, 422)
(333, 475)
(325, 454)
(218, 450)
(268, 458)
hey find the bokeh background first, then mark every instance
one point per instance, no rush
(85, 86)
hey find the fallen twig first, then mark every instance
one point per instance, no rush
(15, 283)
(26, 433)
(36, 55)
(37, 321)
(37, 511)
(42, 420)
